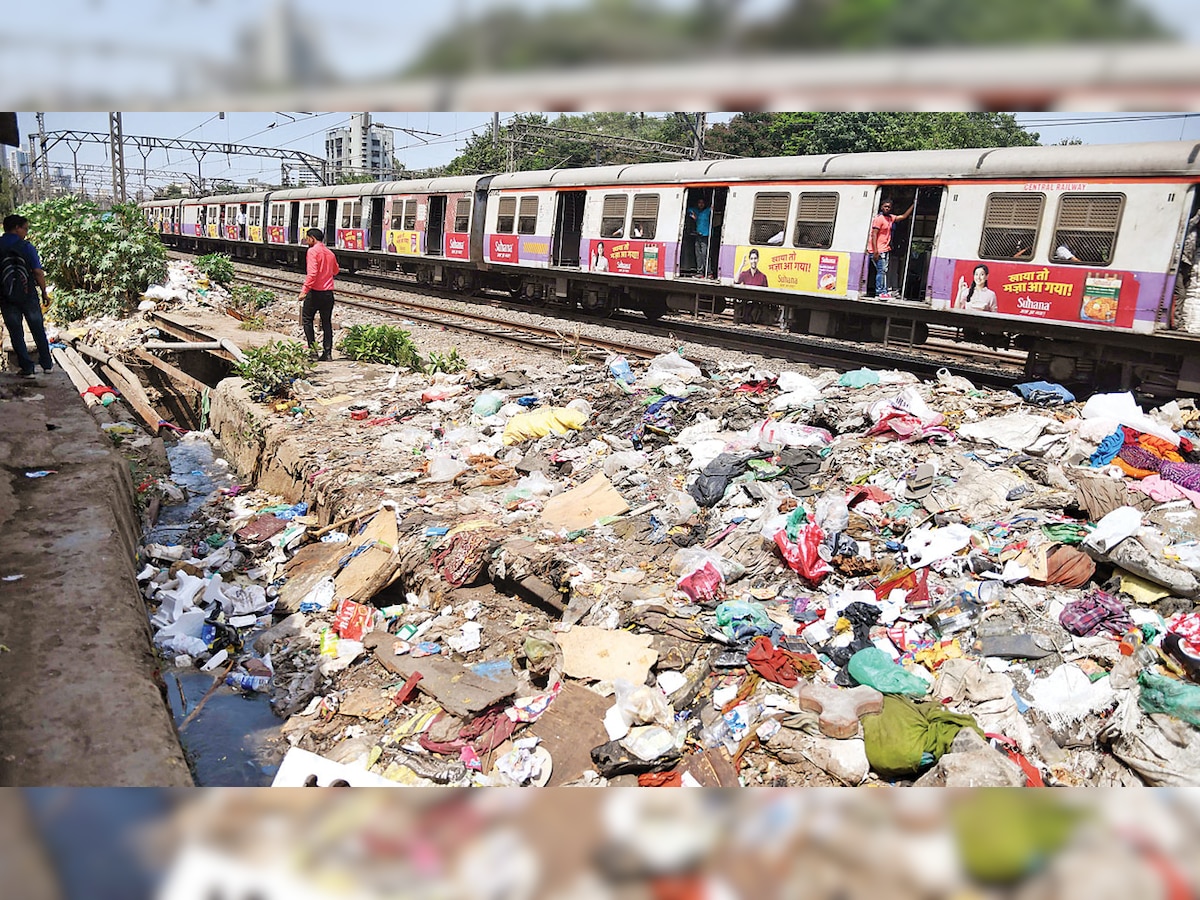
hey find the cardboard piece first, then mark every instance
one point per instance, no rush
(261, 529)
(599, 654)
(311, 563)
(366, 703)
(460, 691)
(571, 726)
(712, 768)
(580, 507)
(371, 570)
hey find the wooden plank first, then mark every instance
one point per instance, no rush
(460, 691)
(570, 728)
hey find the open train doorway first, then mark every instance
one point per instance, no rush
(293, 235)
(375, 233)
(568, 228)
(435, 226)
(703, 221)
(912, 238)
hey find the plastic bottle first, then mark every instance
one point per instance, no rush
(1132, 641)
(248, 682)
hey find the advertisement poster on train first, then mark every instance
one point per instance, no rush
(458, 246)
(351, 238)
(626, 257)
(1058, 293)
(212, 230)
(812, 271)
(276, 234)
(255, 233)
(502, 248)
(405, 243)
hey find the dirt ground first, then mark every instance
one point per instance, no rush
(81, 703)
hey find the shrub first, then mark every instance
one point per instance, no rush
(380, 343)
(272, 367)
(100, 263)
(450, 362)
(248, 298)
(217, 266)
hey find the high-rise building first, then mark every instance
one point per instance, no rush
(360, 149)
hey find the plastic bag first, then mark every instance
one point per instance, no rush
(874, 668)
(320, 598)
(674, 366)
(487, 404)
(625, 460)
(536, 484)
(618, 367)
(1161, 694)
(642, 704)
(680, 506)
(539, 423)
(688, 559)
(832, 513)
(1115, 527)
(444, 467)
(801, 554)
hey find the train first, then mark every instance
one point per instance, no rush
(1078, 255)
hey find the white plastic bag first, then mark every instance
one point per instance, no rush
(1115, 527)
(444, 467)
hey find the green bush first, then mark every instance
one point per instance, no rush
(380, 343)
(272, 367)
(249, 298)
(100, 263)
(445, 362)
(217, 266)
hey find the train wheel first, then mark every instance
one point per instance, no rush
(516, 287)
(761, 313)
(598, 304)
(718, 305)
(654, 308)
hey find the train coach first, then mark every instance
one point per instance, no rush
(1072, 252)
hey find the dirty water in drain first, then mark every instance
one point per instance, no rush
(231, 738)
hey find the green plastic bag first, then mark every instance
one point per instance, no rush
(1161, 694)
(872, 667)
(794, 521)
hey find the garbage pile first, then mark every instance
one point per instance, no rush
(715, 577)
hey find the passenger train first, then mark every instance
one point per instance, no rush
(1070, 252)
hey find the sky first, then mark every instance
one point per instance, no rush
(85, 48)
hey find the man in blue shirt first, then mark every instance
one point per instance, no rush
(701, 219)
(18, 311)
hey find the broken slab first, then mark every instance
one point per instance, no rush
(843, 759)
(459, 690)
(839, 709)
(598, 654)
(580, 507)
(311, 563)
(972, 762)
(371, 570)
(712, 768)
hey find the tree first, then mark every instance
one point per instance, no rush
(172, 191)
(7, 193)
(797, 134)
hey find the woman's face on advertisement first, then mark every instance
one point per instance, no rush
(981, 276)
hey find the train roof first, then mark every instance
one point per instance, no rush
(256, 197)
(1159, 158)
(447, 185)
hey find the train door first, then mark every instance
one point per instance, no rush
(375, 233)
(568, 228)
(331, 223)
(912, 239)
(703, 211)
(293, 234)
(435, 226)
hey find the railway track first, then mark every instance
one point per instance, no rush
(980, 364)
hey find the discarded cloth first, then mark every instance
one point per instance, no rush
(1095, 613)
(778, 665)
(906, 736)
(1045, 393)
(1108, 449)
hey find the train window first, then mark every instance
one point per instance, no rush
(255, 215)
(645, 216)
(506, 215)
(352, 214)
(769, 220)
(397, 214)
(527, 220)
(612, 217)
(1086, 230)
(410, 215)
(1010, 225)
(815, 216)
(462, 215)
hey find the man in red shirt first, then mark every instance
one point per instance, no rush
(879, 246)
(317, 292)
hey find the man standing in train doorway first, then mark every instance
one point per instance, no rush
(700, 219)
(317, 292)
(879, 246)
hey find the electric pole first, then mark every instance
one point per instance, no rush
(42, 177)
(116, 142)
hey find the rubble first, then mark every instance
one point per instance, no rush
(712, 573)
